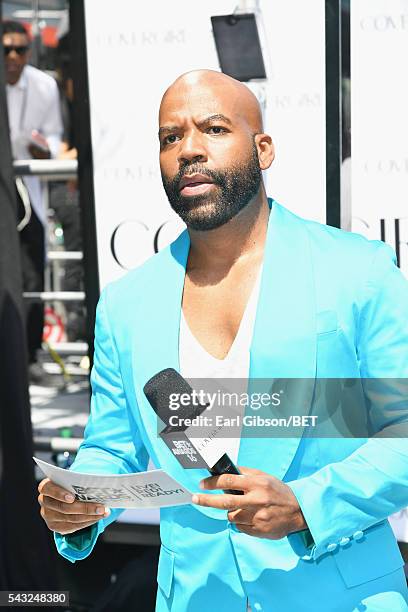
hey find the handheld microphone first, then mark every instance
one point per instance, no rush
(158, 390)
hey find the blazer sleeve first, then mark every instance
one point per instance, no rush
(109, 446)
(343, 499)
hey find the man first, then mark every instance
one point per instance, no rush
(35, 132)
(329, 305)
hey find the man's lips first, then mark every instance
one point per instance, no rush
(194, 179)
(195, 184)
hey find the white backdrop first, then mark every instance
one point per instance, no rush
(379, 125)
(134, 52)
(379, 132)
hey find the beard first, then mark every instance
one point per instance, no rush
(234, 189)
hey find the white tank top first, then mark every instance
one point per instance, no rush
(196, 362)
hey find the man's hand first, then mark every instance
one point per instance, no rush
(62, 513)
(38, 146)
(268, 508)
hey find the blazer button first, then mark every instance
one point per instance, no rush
(358, 535)
(331, 547)
(344, 541)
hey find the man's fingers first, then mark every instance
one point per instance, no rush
(246, 481)
(222, 502)
(241, 517)
(251, 471)
(42, 484)
(53, 516)
(238, 482)
(62, 513)
(48, 488)
(82, 508)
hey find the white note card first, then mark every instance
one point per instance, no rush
(152, 489)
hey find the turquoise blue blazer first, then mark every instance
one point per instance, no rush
(332, 305)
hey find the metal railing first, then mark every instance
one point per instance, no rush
(54, 170)
(61, 296)
(47, 169)
(56, 444)
(65, 255)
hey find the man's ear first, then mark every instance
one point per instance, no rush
(266, 150)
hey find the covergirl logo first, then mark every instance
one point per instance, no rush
(133, 241)
(384, 23)
(145, 38)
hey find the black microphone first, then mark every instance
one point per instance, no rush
(158, 390)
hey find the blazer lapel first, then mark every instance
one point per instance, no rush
(284, 339)
(156, 347)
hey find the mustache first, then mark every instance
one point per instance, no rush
(217, 177)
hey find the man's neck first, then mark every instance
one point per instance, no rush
(241, 239)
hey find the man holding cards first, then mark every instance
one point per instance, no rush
(251, 291)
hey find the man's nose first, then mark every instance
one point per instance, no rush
(192, 149)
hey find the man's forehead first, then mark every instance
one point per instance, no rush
(198, 104)
(203, 93)
(12, 37)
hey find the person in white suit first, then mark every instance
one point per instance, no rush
(35, 124)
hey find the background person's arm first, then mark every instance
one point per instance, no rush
(51, 128)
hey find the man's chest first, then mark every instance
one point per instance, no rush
(214, 312)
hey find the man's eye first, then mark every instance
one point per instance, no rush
(170, 139)
(216, 129)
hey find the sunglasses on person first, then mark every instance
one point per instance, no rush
(20, 50)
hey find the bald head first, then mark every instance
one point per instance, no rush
(221, 89)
